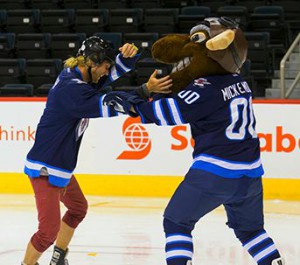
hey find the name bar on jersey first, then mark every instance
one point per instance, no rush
(235, 90)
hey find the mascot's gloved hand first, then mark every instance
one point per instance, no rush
(122, 102)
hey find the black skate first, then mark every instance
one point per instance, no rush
(59, 257)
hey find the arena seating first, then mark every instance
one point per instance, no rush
(39, 30)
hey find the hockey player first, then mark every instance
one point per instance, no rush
(227, 168)
(75, 97)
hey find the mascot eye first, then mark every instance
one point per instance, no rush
(198, 37)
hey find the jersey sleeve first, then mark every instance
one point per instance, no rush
(82, 101)
(187, 106)
(121, 67)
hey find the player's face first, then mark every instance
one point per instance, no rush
(100, 70)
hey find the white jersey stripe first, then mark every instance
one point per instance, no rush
(120, 63)
(229, 165)
(256, 241)
(175, 238)
(174, 111)
(159, 112)
(113, 73)
(264, 253)
(51, 171)
(179, 252)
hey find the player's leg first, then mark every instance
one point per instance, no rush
(31, 255)
(190, 202)
(47, 203)
(245, 216)
(76, 205)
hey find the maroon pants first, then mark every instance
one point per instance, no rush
(48, 198)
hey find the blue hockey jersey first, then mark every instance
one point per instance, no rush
(71, 102)
(220, 114)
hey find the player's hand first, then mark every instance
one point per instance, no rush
(159, 85)
(128, 50)
(123, 102)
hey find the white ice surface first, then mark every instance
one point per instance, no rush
(128, 231)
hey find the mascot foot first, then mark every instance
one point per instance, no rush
(221, 41)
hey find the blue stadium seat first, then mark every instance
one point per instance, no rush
(42, 71)
(78, 4)
(161, 20)
(46, 4)
(238, 13)
(3, 19)
(145, 4)
(16, 90)
(64, 45)
(57, 20)
(214, 5)
(251, 4)
(42, 90)
(33, 45)
(125, 20)
(22, 20)
(90, 21)
(12, 71)
(7, 45)
(112, 4)
(271, 19)
(247, 76)
(190, 16)
(176, 3)
(15, 4)
(143, 41)
(261, 59)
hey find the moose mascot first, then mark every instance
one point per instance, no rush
(210, 95)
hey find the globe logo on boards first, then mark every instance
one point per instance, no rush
(137, 139)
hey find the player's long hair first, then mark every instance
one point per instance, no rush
(72, 62)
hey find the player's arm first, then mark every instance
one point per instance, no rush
(82, 101)
(124, 62)
(189, 105)
(162, 112)
(184, 107)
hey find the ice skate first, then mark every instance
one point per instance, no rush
(59, 257)
(279, 261)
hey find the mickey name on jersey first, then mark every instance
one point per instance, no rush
(235, 90)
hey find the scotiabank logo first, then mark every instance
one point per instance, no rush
(137, 139)
(280, 141)
(139, 143)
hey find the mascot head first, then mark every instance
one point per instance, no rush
(215, 46)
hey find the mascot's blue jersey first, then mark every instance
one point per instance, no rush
(219, 111)
(71, 102)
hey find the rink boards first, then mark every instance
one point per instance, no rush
(120, 156)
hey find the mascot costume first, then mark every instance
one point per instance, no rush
(209, 94)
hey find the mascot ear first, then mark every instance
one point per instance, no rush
(221, 41)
